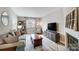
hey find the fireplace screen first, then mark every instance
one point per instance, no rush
(72, 43)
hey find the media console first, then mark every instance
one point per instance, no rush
(52, 35)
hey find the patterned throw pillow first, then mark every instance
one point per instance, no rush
(18, 33)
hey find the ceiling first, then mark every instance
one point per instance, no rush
(33, 11)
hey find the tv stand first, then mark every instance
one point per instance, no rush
(52, 35)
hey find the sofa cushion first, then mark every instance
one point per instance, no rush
(11, 39)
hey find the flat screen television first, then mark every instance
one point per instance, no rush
(52, 26)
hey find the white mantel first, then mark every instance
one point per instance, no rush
(72, 32)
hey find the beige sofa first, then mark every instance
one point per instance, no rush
(10, 42)
(11, 46)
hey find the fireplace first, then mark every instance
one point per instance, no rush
(72, 43)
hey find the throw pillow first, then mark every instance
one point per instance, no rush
(10, 39)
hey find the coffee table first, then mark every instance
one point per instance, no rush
(36, 40)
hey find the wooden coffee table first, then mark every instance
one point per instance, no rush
(36, 40)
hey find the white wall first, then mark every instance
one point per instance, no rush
(55, 16)
(13, 17)
(12, 20)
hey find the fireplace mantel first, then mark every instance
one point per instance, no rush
(72, 32)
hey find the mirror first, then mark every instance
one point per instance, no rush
(4, 18)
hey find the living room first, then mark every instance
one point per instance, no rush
(23, 22)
